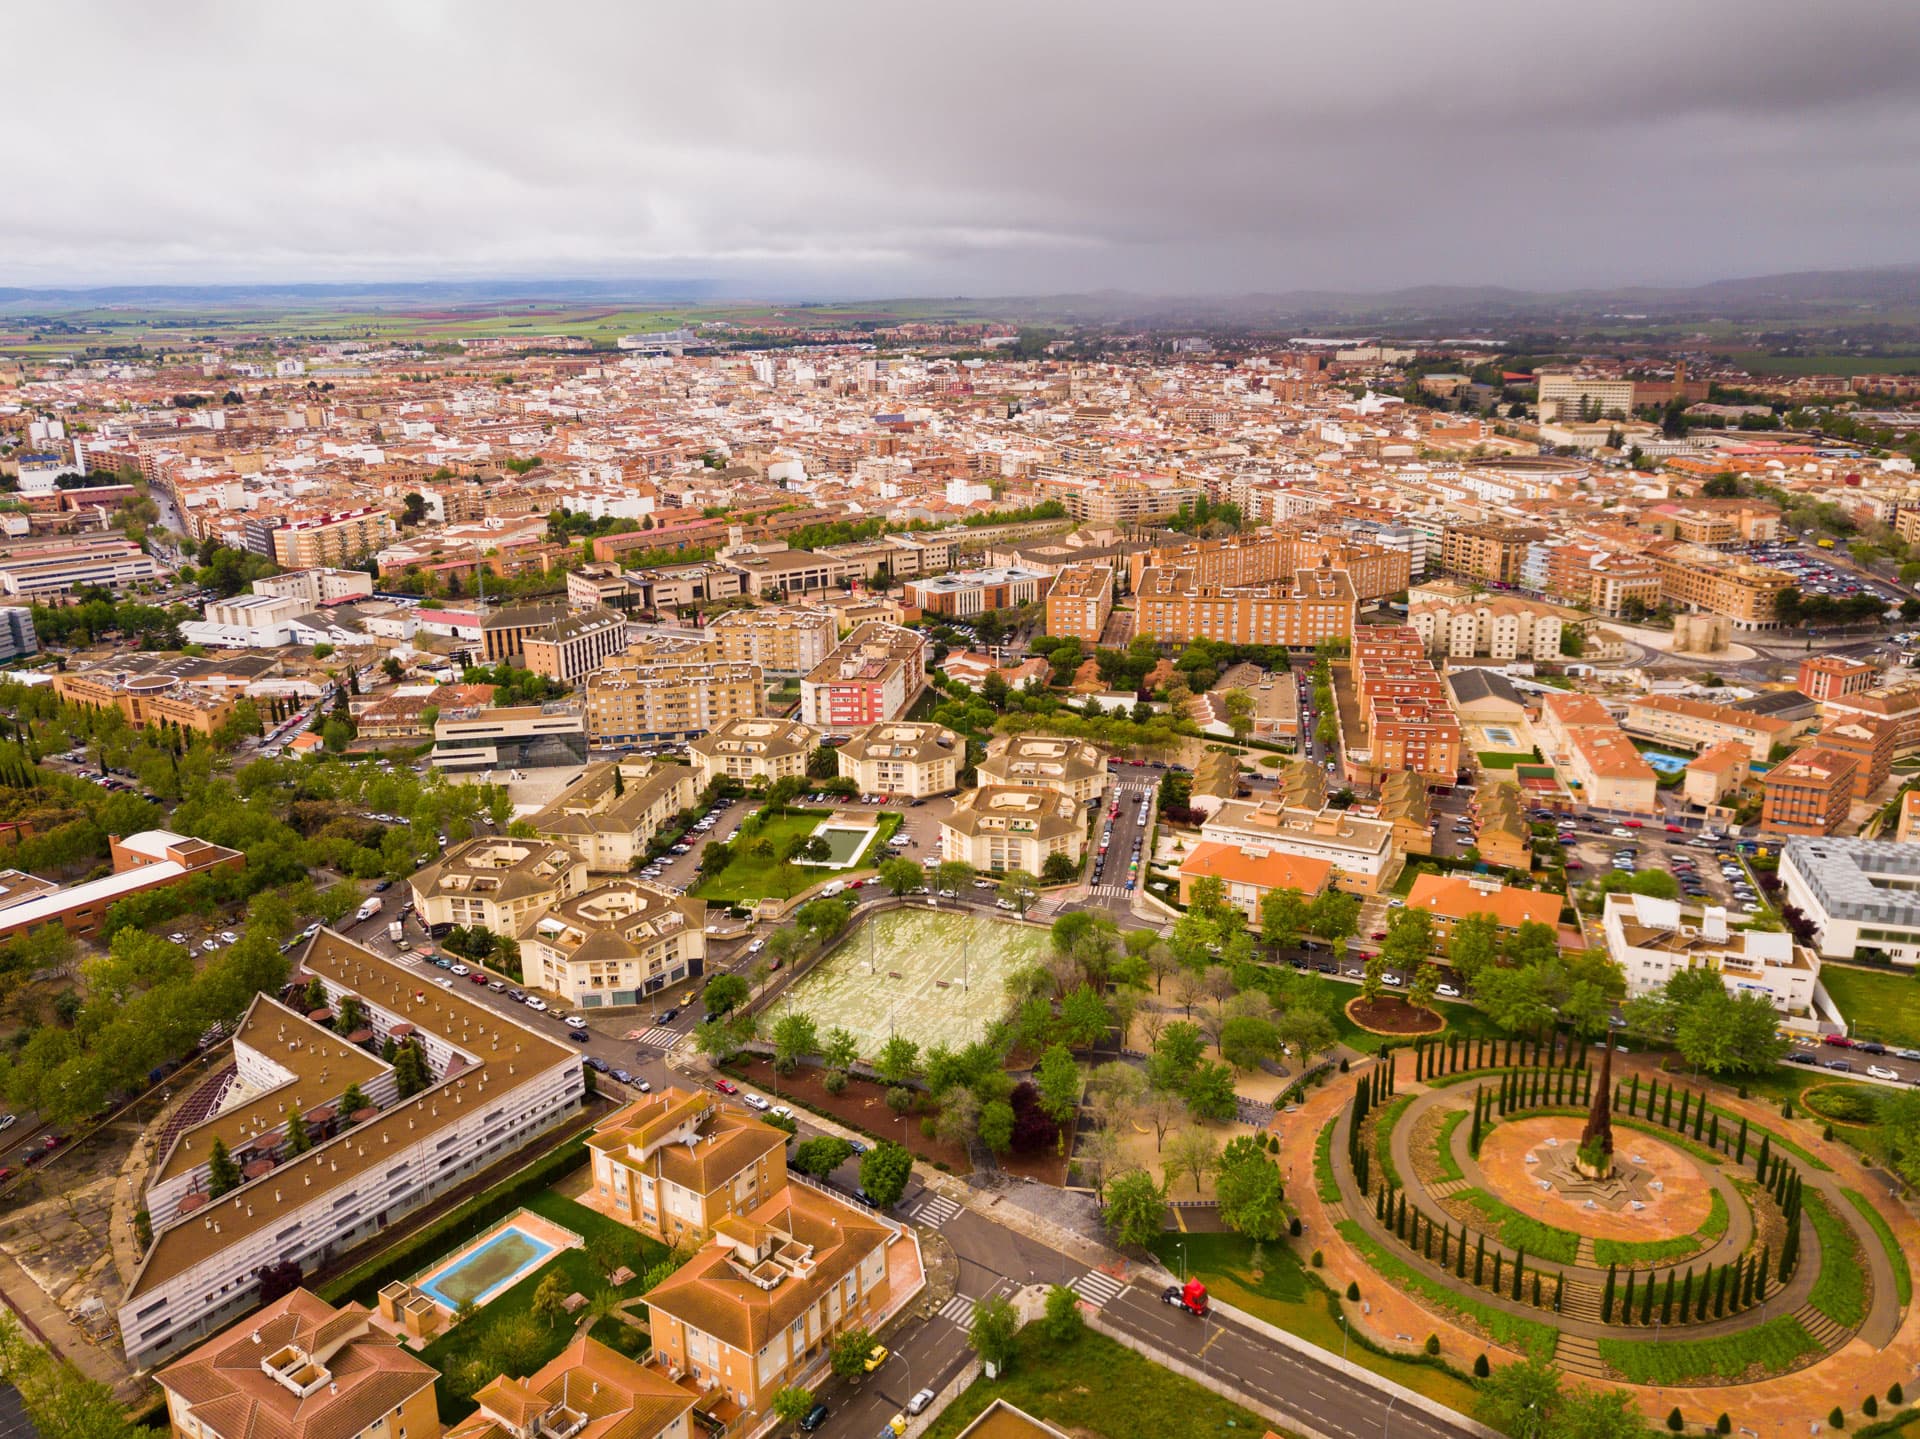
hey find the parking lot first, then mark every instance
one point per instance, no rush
(1819, 573)
(1708, 873)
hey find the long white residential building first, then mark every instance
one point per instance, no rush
(495, 1085)
(1654, 939)
(1859, 893)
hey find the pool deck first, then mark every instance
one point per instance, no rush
(542, 1231)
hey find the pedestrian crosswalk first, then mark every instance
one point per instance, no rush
(1113, 890)
(661, 1037)
(934, 1211)
(958, 1310)
(1096, 1288)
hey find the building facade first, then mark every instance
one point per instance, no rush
(754, 751)
(610, 814)
(874, 675)
(496, 882)
(1080, 602)
(676, 1163)
(614, 944)
(1073, 767)
(1173, 607)
(1654, 939)
(998, 829)
(781, 639)
(903, 757)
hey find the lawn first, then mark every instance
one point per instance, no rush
(1285, 1296)
(1500, 759)
(504, 1336)
(748, 878)
(1510, 1330)
(1443, 1146)
(1521, 1231)
(1896, 1256)
(1878, 1005)
(1461, 1019)
(1840, 1289)
(1093, 1385)
(1629, 1252)
(1323, 1178)
(1773, 1346)
(1385, 1119)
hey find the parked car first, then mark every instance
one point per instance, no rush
(574, 1021)
(754, 1101)
(1880, 1071)
(1446, 991)
(536, 1003)
(726, 1086)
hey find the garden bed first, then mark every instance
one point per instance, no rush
(1392, 1015)
(1769, 1348)
(862, 1105)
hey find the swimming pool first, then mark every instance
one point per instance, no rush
(1500, 735)
(486, 1272)
(845, 843)
(1665, 763)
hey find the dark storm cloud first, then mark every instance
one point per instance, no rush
(832, 148)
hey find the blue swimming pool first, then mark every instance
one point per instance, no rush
(489, 1271)
(1665, 763)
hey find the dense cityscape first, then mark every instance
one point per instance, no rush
(1136, 757)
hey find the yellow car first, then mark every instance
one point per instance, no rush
(896, 1426)
(876, 1356)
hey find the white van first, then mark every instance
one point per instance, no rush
(831, 890)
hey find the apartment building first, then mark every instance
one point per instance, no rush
(496, 882)
(1492, 553)
(1453, 622)
(302, 1369)
(1173, 608)
(504, 633)
(875, 674)
(1596, 755)
(1119, 501)
(17, 636)
(496, 1085)
(999, 828)
(586, 1391)
(1652, 940)
(1450, 898)
(773, 569)
(1860, 894)
(781, 639)
(509, 737)
(1699, 724)
(317, 588)
(758, 1307)
(335, 538)
(1074, 767)
(753, 751)
(903, 757)
(638, 700)
(1809, 792)
(1276, 553)
(1832, 677)
(1502, 832)
(1080, 601)
(1361, 851)
(1898, 704)
(605, 587)
(1409, 724)
(1720, 771)
(674, 1164)
(575, 645)
(1248, 876)
(1696, 578)
(1569, 396)
(148, 859)
(614, 944)
(610, 814)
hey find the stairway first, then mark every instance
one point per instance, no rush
(1583, 1301)
(1824, 1332)
(1583, 1256)
(1446, 1188)
(1578, 1354)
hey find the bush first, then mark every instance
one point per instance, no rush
(1895, 1394)
(1836, 1419)
(1433, 1345)
(1353, 1289)
(1870, 1406)
(1481, 1369)
(1293, 1226)
(1674, 1421)
(834, 1081)
(1723, 1425)
(1320, 1259)
(1343, 1065)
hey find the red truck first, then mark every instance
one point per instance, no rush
(1192, 1297)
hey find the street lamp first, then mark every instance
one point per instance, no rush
(1343, 1338)
(1387, 1418)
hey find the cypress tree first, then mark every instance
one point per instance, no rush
(1705, 1296)
(1699, 1114)
(1666, 1111)
(1498, 1260)
(1633, 1093)
(1606, 1295)
(1427, 1248)
(1746, 1283)
(1740, 1144)
(1666, 1301)
(1713, 1132)
(1646, 1303)
(1473, 1135)
(1760, 1275)
(1380, 1204)
(1686, 1098)
(1626, 1302)
(1720, 1293)
(1446, 1233)
(1519, 1267)
(1419, 1058)
(1536, 1289)
(1479, 1259)
(1400, 1224)
(1460, 1255)
(1509, 1051)
(1760, 1160)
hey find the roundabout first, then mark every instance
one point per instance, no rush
(1656, 1192)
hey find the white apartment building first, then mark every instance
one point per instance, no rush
(1501, 628)
(903, 757)
(753, 749)
(497, 882)
(615, 944)
(1654, 939)
(1361, 851)
(998, 829)
(496, 1084)
(1074, 767)
(1859, 893)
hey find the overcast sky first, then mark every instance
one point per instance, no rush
(811, 147)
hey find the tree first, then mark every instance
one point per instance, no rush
(1193, 1153)
(1136, 1208)
(791, 1403)
(1176, 1054)
(1474, 944)
(884, 1171)
(902, 876)
(995, 1128)
(839, 1050)
(1018, 889)
(550, 1300)
(1373, 978)
(1247, 1184)
(1426, 982)
(277, 1280)
(1409, 939)
(1062, 1322)
(1058, 1079)
(820, 1156)
(1239, 707)
(222, 1173)
(1334, 914)
(1247, 1040)
(1210, 1094)
(898, 1061)
(725, 993)
(1595, 1414)
(795, 1037)
(995, 1324)
(1084, 1018)
(850, 1350)
(297, 1140)
(1283, 915)
(1307, 1033)
(1724, 1033)
(1518, 1397)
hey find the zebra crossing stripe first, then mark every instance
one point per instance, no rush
(936, 1211)
(1096, 1288)
(957, 1310)
(661, 1037)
